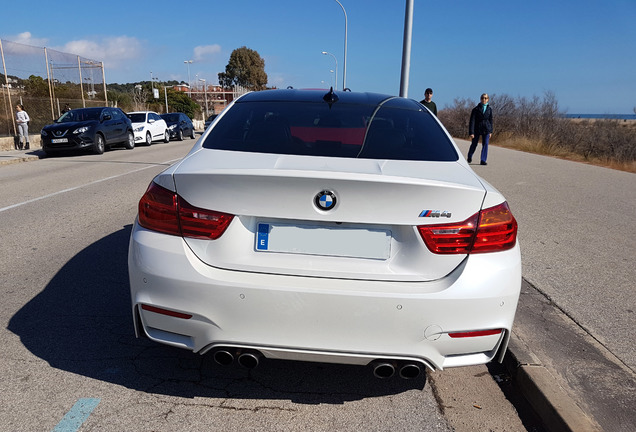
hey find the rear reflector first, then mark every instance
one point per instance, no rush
(491, 230)
(475, 333)
(164, 211)
(166, 312)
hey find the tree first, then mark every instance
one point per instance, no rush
(181, 102)
(36, 86)
(140, 97)
(246, 68)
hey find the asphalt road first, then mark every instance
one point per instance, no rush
(578, 242)
(69, 358)
(576, 313)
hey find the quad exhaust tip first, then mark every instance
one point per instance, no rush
(386, 369)
(223, 357)
(381, 369)
(410, 371)
(248, 360)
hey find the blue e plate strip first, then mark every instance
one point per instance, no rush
(74, 419)
(262, 237)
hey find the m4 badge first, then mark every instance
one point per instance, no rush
(435, 213)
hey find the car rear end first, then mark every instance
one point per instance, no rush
(346, 231)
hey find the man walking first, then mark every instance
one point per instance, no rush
(428, 101)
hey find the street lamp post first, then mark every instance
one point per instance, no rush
(188, 63)
(406, 49)
(336, 60)
(344, 69)
(205, 91)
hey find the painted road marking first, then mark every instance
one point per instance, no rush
(84, 185)
(74, 419)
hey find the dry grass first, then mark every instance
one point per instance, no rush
(537, 147)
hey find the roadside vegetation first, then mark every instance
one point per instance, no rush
(537, 125)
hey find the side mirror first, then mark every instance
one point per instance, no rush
(151, 121)
(107, 117)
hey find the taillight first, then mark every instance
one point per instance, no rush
(450, 238)
(201, 223)
(491, 230)
(165, 211)
(497, 230)
(158, 210)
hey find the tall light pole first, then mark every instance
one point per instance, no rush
(406, 49)
(205, 91)
(336, 60)
(344, 69)
(188, 63)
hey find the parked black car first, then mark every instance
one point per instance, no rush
(88, 129)
(179, 125)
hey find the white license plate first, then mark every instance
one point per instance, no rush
(322, 240)
(59, 140)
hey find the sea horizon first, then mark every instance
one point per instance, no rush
(602, 116)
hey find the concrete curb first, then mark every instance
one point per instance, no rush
(549, 400)
(15, 156)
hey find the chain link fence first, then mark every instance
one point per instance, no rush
(45, 81)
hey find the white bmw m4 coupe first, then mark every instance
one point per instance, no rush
(326, 226)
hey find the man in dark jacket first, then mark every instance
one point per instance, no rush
(428, 101)
(480, 125)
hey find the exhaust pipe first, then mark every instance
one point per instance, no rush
(410, 371)
(383, 370)
(249, 360)
(223, 357)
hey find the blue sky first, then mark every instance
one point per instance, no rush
(581, 50)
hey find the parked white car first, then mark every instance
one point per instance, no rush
(148, 126)
(340, 227)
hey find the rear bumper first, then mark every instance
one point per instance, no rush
(75, 143)
(322, 319)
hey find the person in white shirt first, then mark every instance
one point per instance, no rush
(22, 119)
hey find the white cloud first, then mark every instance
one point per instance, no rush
(26, 38)
(114, 51)
(206, 52)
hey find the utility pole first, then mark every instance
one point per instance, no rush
(406, 49)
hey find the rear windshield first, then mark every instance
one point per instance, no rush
(170, 117)
(342, 130)
(137, 118)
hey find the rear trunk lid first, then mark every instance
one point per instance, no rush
(370, 233)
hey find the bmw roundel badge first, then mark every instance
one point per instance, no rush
(325, 200)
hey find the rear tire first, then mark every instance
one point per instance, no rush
(130, 141)
(166, 136)
(148, 139)
(192, 134)
(100, 144)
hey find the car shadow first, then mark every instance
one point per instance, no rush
(81, 322)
